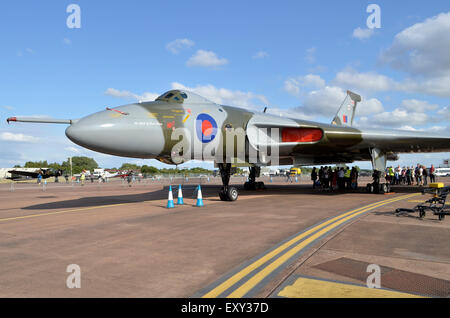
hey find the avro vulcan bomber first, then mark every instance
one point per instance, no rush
(180, 126)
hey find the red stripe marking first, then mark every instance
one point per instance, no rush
(301, 134)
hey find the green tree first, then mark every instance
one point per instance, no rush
(130, 166)
(149, 169)
(79, 164)
(36, 164)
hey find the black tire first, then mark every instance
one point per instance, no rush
(384, 188)
(232, 194)
(223, 196)
(368, 188)
(441, 217)
(250, 186)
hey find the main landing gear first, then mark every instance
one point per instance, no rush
(251, 184)
(227, 193)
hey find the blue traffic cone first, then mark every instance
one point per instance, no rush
(170, 204)
(180, 196)
(199, 197)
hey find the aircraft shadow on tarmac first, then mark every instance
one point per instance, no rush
(209, 192)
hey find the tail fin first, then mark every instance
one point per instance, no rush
(346, 112)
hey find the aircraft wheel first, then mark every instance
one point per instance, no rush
(441, 217)
(384, 188)
(251, 185)
(260, 185)
(370, 188)
(223, 195)
(232, 194)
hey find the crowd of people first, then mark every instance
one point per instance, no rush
(330, 179)
(418, 175)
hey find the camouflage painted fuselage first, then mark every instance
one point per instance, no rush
(150, 130)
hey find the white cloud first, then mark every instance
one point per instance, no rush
(294, 85)
(206, 59)
(445, 113)
(261, 55)
(422, 49)
(311, 55)
(7, 107)
(67, 41)
(21, 53)
(179, 44)
(406, 127)
(369, 107)
(7, 136)
(362, 34)
(324, 101)
(434, 86)
(226, 96)
(396, 118)
(418, 105)
(364, 82)
(146, 96)
(72, 149)
(371, 82)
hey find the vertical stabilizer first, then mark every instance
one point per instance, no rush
(346, 112)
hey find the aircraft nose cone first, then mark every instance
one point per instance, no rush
(122, 135)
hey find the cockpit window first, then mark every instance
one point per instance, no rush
(173, 96)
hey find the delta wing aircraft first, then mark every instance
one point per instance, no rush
(180, 126)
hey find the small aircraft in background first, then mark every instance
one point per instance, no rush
(45, 173)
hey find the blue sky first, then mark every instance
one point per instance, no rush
(297, 57)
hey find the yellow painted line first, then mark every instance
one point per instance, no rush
(313, 288)
(244, 272)
(64, 211)
(252, 282)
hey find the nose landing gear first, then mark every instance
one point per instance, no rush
(227, 193)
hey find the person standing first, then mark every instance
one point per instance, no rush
(341, 177)
(326, 178)
(347, 178)
(432, 174)
(425, 175)
(321, 176)
(419, 174)
(82, 178)
(334, 178)
(408, 176)
(314, 177)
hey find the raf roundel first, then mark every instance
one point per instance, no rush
(206, 128)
